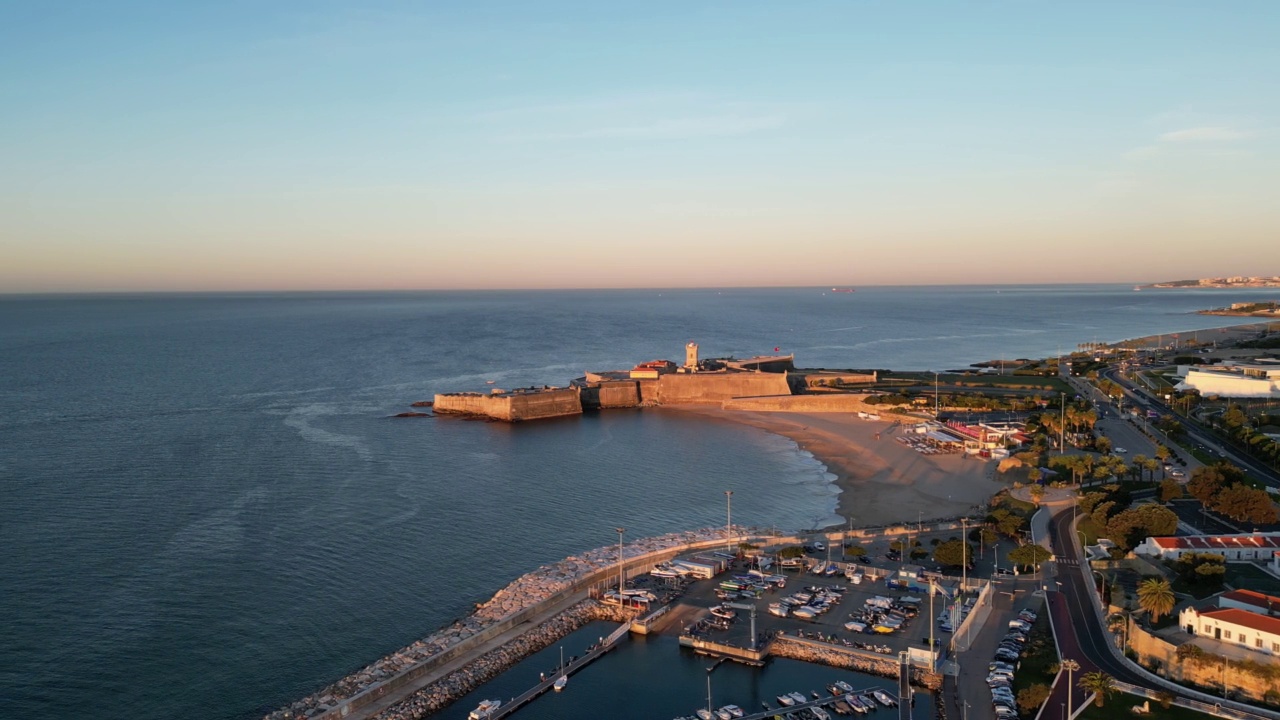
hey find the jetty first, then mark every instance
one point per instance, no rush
(904, 707)
(597, 651)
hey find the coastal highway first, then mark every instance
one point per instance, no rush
(1079, 631)
(1196, 432)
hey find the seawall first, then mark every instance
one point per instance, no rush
(514, 406)
(712, 387)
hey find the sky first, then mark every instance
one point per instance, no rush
(325, 145)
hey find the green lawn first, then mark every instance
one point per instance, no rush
(1250, 577)
(1120, 707)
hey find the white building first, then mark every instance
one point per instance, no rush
(1261, 379)
(1259, 633)
(1247, 546)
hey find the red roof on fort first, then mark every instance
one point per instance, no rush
(1244, 618)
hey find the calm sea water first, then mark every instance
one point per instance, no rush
(208, 511)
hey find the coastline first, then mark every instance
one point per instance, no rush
(880, 481)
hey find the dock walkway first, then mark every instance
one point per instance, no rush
(531, 694)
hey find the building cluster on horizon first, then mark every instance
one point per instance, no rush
(1259, 378)
(1243, 618)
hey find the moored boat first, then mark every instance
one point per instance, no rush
(786, 700)
(884, 698)
(485, 710)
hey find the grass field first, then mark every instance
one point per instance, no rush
(1247, 576)
(1011, 382)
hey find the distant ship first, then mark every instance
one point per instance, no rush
(842, 290)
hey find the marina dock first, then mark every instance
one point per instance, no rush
(823, 703)
(533, 693)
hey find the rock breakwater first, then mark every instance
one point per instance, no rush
(488, 666)
(546, 583)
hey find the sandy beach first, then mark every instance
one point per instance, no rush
(881, 481)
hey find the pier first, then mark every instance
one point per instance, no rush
(533, 693)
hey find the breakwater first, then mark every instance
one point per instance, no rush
(456, 684)
(519, 602)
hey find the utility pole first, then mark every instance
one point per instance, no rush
(1070, 666)
(621, 583)
(1062, 426)
(728, 520)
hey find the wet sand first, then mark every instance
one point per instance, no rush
(881, 481)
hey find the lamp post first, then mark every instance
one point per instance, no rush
(621, 584)
(1070, 666)
(728, 519)
(935, 396)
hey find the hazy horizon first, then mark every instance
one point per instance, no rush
(304, 146)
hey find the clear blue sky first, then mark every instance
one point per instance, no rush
(299, 144)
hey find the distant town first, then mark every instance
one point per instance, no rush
(1222, 282)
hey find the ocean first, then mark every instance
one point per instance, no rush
(209, 512)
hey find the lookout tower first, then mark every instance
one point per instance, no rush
(691, 356)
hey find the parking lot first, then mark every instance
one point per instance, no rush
(828, 626)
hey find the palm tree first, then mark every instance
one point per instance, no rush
(1098, 683)
(1155, 595)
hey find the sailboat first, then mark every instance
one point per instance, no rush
(563, 680)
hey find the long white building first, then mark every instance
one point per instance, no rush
(1246, 546)
(1252, 380)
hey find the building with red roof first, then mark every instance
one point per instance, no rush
(1245, 546)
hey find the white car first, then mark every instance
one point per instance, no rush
(1121, 451)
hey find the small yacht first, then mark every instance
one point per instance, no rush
(845, 688)
(798, 697)
(734, 710)
(884, 698)
(721, 611)
(820, 713)
(563, 680)
(485, 710)
(786, 700)
(724, 714)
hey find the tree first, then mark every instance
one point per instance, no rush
(855, 551)
(1155, 595)
(1170, 490)
(793, 551)
(1244, 504)
(1098, 683)
(1165, 698)
(953, 553)
(1103, 444)
(1028, 555)
(1032, 697)
(1037, 491)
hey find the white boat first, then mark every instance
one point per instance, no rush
(856, 704)
(820, 713)
(778, 609)
(724, 714)
(804, 612)
(661, 573)
(798, 697)
(721, 611)
(845, 687)
(563, 680)
(485, 710)
(734, 710)
(884, 698)
(786, 700)
(705, 714)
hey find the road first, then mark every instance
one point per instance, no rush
(1195, 431)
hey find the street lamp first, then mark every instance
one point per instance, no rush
(728, 519)
(1070, 666)
(621, 584)
(935, 396)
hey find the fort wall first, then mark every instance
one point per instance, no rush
(712, 387)
(512, 407)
